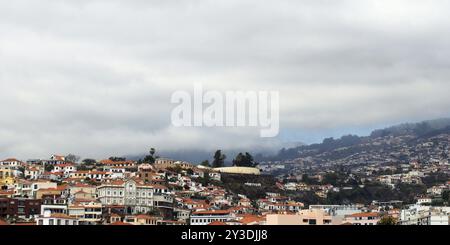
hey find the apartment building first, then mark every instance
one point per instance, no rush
(135, 196)
(370, 218)
(304, 217)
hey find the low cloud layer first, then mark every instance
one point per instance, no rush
(95, 77)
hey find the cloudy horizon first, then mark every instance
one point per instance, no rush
(94, 78)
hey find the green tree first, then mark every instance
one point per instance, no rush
(219, 159)
(89, 162)
(49, 167)
(387, 220)
(150, 158)
(446, 196)
(244, 160)
(330, 178)
(205, 163)
(206, 179)
(177, 169)
(21, 170)
(72, 158)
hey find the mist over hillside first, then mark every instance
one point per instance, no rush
(290, 150)
(418, 130)
(197, 156)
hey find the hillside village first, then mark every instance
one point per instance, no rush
(117, 191)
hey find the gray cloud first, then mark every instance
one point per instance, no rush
(95, 77)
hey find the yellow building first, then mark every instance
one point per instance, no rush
(238, 170)
(6, 176)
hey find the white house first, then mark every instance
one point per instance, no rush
(207, 217)
(56, 219)
(33, 172)
(65, 168)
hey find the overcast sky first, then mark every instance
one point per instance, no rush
(95, 77)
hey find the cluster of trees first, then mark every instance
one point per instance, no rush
(435, 179)
(235, 183)
(244, 160)
(376, 191)
(241, 160)
(387, 220)
(72, 158)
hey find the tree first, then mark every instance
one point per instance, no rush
(244, 160)
(117, 159)
(330, 178)
(49, 167)
(309, 180)
(21, 170)
(387, 220)
(72, 158)
(205, 163)
(177, 169)
(206, 179)
(240, 160)
(89, 161)
(151, 157)
(446, 196)
(219, 159)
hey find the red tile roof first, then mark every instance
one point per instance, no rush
(213, 212)
(217, 223)
(371, 214)
(120, 223)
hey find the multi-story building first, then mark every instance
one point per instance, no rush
(54, 160)
(54, 204)
(65, 168)
(164, 163)
(371, 218)
(93, 175)
(49, 218)
(33, 172)
(11, 163)
(19, 207)
(425, 215)
(137, 197)
(86, 212)
(6, 176)
(207, 217)
(304, 217)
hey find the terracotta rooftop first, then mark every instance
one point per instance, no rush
(217, 223)
(120, 223)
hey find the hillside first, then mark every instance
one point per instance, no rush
(426, 141)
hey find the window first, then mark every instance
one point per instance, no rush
(51, 222)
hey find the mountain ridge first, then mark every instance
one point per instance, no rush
(417, 130)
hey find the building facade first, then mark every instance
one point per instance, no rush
(135, 196)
